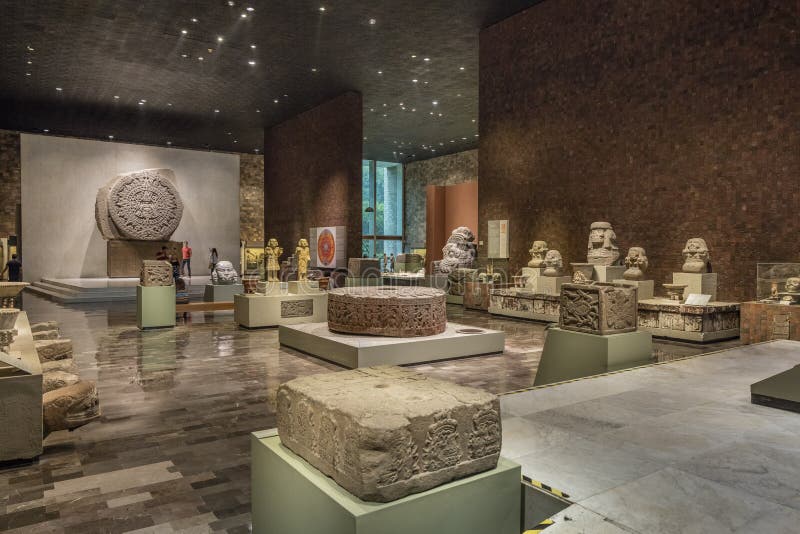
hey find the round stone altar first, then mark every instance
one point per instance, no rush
(393, 311)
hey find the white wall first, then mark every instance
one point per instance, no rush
(60, 179)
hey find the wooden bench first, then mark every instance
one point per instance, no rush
(203, 307)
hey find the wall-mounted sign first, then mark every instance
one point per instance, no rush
(498, 239)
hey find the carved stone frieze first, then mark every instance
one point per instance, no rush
(156, 273)
(297, 308)
(598, 308)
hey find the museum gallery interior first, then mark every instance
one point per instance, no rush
(485, 267)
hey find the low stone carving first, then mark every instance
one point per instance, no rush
(582, 273)
(598, 308)
(46, 334)
(142, 205)
(41, 327)
(297, 308)
(603, 249)
(537, 252)
(636, 262)
(552, 263)
(272, 255)
(53, 349)
(303, 255)
(696, 256)
(224, 274)
(363, 267)
(394, 311)
(67, 365)
(58, 379)
(156, 273)
(70, 407)
(459, 251)
(384, 432)
(675, 291)
(457, 280)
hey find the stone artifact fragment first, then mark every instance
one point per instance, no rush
(9, 292)
(156, 273)
(42, 327)
(70, 407)
(272, 254)
(552, 263)
(385, 432)
(224, 274)
(537, 252)
(303, 255)
(409, 263)
(363, 267)
(598, 308)
(457, 280)
(8, 318)
(297, 308)
(582, 273)
(459, 251)
(67, 365)
(695, 256)
(142, 205)
(46, 334)
(603, 249)
(636, 262)
(395, 311)
(53, 349)
(675, 291)
(58, 379)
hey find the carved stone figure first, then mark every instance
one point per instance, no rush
(156, 273)
(70, 407)
(537, 252)
(457, 280)
(603, 249)
(58, 379)
(142, 205)
(272, 254)
(792, 285)
(303, 255)
(598, 308)
(53, 349)
(791, 291)
(385, 432)
(224, 274)
(695, 256)
(459, 251)
(636, 262)
(396, 311)
(552, 263)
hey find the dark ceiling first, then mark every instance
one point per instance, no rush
(125, 68)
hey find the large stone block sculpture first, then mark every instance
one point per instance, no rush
(459, 251)
(156, 273)
(141, 205)
(394, 311)
(602, 248)
(598, 308)
(384, 432)
(363, 267)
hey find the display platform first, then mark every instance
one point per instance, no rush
(77, 290)
(524, 304)
(455, 299)
(254, 310)
(221, 293)
(364, 351)
(762, 321)
(285, 488)
(780, 391)
(155, 307)
(403, 279)
(670, 319)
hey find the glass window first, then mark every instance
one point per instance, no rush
(382, 204)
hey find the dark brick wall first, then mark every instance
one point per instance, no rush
(10, 182)
(669, 119)
(312, 173)
(251, 197)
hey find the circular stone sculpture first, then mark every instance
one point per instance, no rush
(394, 311)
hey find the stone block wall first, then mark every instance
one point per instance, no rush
(251, 197)
(10, 181)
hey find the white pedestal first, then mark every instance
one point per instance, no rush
(271, 288)
(645, 288)
(304, 287)
(551, 285)
(607, 273)
(221, 293)
(258, 311)
(700, 283)
(533, 274)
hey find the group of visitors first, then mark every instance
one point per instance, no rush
(179, 268)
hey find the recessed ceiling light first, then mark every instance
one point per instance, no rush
(435, 102)
(184, 55)
(473, 120)
(253, 46)
(413, 56)
(30, 62)
(231, 3)
(426, 59)
(30, 48)
(235, 141)
(380, 72)
(372, 22)
(184, 32)
(59, 89)
(258, 111)
(250, 9)
(141, 103)
(220, 38)
(426, 83)
(252, 62)
(243, 15)
(413, 109)
(142, 100)
(169, 142)
(313, 69)
(440, 114)
(276, 100)
(116, 97)
(194, 19)
(111, 137)
(169, 104)
(372, 109)
(216, 111)
(45, 130)
(322, 9)
(27, 74)
(464, 138)
(460, 68)
(255, 150)
(199, 58)
(415, 80)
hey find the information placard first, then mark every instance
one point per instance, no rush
(498, 239)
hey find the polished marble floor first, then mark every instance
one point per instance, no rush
(171, 452)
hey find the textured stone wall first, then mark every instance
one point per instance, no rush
(669, 119)
(444, 170)
(251, 197)
(312, 173)
(10, 189)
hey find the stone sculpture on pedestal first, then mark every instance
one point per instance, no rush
(603, 249)
(459, 251)
(598, 308)
(156, 273)
(791, 291)
(552, 263)
(385, 432)
(696, 256)
(272, 254)
(224, 274)
(303, 255)
(538, 251)
(636, 262)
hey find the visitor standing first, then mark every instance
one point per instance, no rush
(186, 264)
(391, 262)
(162, 254)
(176, 266)
(213, 259)
(14, 268)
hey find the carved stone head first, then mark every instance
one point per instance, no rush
(303, 243)
(636, 262)
(793, 285)
(602, 248)
(224, 274)
(459, 251)
(537, 252)
(695, 256)
(552, 263)
(272, 243)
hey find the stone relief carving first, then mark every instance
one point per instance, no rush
(272, 254)
(636, 262)
(603, 249)
(459, 251)
(485, 437)
(70, 407)
(537, 252)
(224, 274)
(458, 279)
(156, 273)
(442, 448)
(303, 255)
(598, 308)
(695, 256)
(297, 308)
(552, 263)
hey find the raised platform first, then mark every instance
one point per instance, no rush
(780, 391)
(364, 351)
(254, 310)
(670, 319)
(767, 321)
(77, 290)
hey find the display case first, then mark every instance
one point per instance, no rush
(778, 283)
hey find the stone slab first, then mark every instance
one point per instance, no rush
(551, 285)
(285, 487)
(699, 283)
(259, 311)
(645, 288)
(524, 304)
(780, 391)
(124, 257)
(607, 273)
(155, 307)
(221, 293)
(53, 349)
(700, 324)
(354, 351)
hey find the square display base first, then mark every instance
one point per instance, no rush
(286, 488)
(644, 288)
(455, 299)
(607, 273)
(221, 293)
(779, 391)
(258, 311)
(605, 352)
(700, 283)
(551, 285)
(352, 350)
(155, 306)
(533, 274)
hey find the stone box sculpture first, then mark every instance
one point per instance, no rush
(156, 273)
(385, 432)
(395, 311)
(598, 308)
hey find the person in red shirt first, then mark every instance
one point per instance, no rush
(186, 263)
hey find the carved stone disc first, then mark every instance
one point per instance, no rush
(145, 205)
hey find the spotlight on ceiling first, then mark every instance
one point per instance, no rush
(216, 111)
(460, 68)
(372, 22)
(250, 8)
(322, 9)
(194, 20)
(184, 32)
(243, 15)
(220, 38)
(116, 97)
(59, 89)
(253, 46)
(252, 62)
